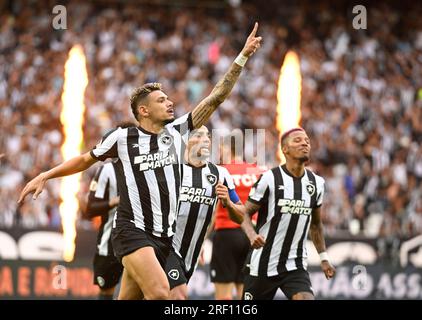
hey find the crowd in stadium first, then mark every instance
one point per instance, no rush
(361, 94)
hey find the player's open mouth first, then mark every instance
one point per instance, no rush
(204, 148)
(170, 111)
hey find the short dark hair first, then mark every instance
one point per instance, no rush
(125, 124)
(287, 134)
(141, 93)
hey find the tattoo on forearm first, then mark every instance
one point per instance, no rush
(220, 92)
(317, 236)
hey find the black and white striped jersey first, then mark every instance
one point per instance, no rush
(197, 203)
(284, 219)
(148, 173)
(103, 188)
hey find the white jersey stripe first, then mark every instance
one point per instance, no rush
(103, 246)
(278, 244)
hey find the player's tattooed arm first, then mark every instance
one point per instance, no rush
(256, 240)
(221, 91)
(206, 107)
(317, 235)
(316, 230)
(74, 165)
(251, 208)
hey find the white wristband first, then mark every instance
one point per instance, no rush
(241, 60)
(324, 256)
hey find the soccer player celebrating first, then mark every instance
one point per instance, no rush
(148, 177)
(102, 201)
(288, 199)
(202, 184)
(230, 245)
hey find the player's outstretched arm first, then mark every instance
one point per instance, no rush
(74, 165)
(317, 236)
(206, 107)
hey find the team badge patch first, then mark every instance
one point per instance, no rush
(311, 189)
(212, 179)
(248, 296)
(174, 274)
(166, 140)
(101, 281)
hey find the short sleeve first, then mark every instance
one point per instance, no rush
(258, 192)
(321, 190)
(107, 148)
(183, 125)
(226, 178)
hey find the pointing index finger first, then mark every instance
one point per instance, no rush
(255, 28)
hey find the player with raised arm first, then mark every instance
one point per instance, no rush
(102, 201)
(148, 177)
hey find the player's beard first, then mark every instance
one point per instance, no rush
(304, 159)
(167, 121)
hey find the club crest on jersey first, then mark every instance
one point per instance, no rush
(174, 274)
(166, 140)
(212, 179)
(248, 296)
(311, 189)
(101, 281)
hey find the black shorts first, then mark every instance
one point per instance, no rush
(126, 238)
(229, 251)
(107, 271)
(176, 271)
(264, 288)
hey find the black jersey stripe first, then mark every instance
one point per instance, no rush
(263, 210)
(299, 259)
(312, 179)
(162, 187)
(104, 217)
(193, 214)
(177, 174)
(291, 229)
(124, 207)
(110, 245)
